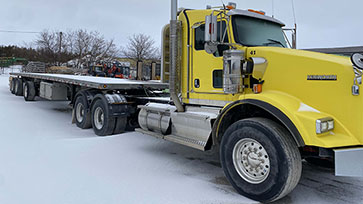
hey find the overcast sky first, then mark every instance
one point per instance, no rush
(321, 23)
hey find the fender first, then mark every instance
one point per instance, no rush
(117, 104)
(278, 114)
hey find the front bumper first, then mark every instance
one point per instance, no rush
(349, 162)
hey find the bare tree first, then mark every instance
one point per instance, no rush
(47, 45)
(53, 47)
(82, 45)
(92, 45)
(139, 47)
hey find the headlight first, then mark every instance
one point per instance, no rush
(324, 125)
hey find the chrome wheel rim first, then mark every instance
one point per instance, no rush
(99, 118)
(251, 160)
(79, 112)
(26, 91)
(16, 87)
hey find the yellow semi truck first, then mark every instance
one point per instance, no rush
(235, 88)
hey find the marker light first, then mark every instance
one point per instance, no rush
(231, 5)
(324, 125)
(257, 88)
(258, 12)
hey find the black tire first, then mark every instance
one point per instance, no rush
(18, 89)
(276, 179)
(121, 123)
(108, 124)
(82, 113)
(29, 91)
(12, 86)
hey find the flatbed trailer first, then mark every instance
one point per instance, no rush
(101, 83)
(109, 105)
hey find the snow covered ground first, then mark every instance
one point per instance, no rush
(46, 159)
(11, 69)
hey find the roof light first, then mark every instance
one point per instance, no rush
(231, 5)
(258, 12)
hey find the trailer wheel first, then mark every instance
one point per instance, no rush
(18, 89)
(12, 86)
(29, 91)
(121, 123)
(83, 117)
(102, 123)
(260, 159)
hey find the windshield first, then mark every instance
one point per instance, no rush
(257, 32)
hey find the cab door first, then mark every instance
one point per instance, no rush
(207, 68)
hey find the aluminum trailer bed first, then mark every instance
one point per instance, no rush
(108, 105)
(102, 83)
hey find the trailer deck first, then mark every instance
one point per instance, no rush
(102, 83)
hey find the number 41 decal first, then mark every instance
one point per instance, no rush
(253, 52)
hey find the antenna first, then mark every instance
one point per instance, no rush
(293, 10)
(273, 12)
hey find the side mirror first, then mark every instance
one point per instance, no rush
(210, 28)
(210, 34)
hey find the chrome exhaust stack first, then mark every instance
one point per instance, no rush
(174, 56)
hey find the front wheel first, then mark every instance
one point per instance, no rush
(260, 159)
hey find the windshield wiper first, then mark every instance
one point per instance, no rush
(274, 42)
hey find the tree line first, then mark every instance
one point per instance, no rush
(82, 46)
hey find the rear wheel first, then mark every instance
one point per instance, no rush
(103, 124)
(12, 86)
(29, 91)
(18, 89)
(83, 117)
(260, 159)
